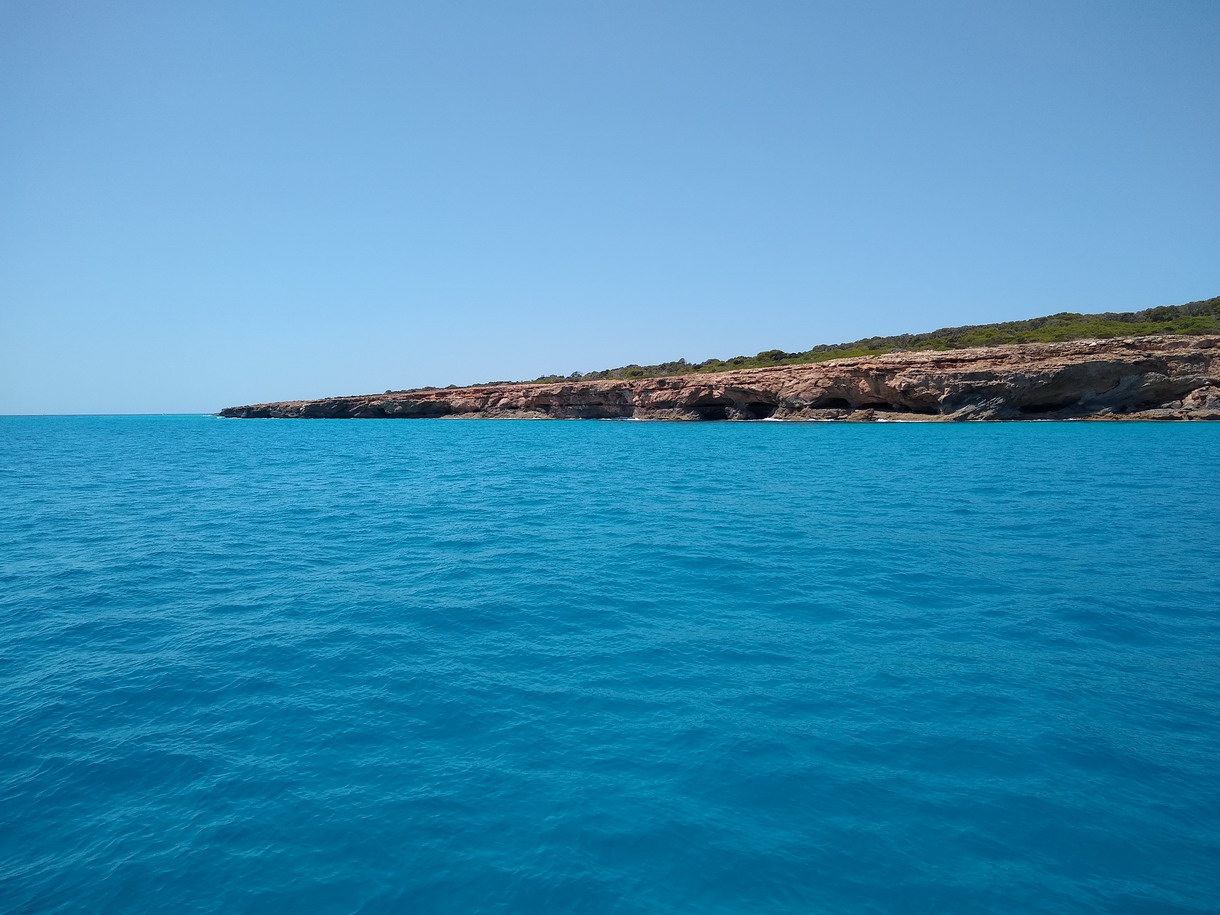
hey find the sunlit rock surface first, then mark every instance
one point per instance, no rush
(1158, 377)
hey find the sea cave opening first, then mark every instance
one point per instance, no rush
(759, 410)
(712, 411)
(832, 403)
(1039, 409)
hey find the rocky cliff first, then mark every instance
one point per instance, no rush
(1160, 377)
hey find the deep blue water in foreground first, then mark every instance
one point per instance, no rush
(531, 667)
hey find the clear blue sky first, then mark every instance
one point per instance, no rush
(210, 203)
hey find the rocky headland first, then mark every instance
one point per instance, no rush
(1165, 377)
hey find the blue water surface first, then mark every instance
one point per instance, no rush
(531, 667)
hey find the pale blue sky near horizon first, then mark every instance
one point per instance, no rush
(214, 203)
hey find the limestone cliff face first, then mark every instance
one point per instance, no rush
(1160, 377)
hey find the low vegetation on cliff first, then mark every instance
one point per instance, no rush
(1193, 318)
(1202, 317)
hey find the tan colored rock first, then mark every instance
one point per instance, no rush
(1158, 377)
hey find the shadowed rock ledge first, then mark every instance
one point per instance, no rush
(1159, 377)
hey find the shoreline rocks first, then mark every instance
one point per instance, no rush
(1128, 378)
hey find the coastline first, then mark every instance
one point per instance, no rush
(1162, 377)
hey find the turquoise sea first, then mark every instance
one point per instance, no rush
(254, 666)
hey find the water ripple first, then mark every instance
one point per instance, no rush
(345, 667)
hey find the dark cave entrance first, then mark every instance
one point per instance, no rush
(759, 410)
(712, 411)
(832, 403)
(1042, 409)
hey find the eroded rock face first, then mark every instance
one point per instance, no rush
(1160, 377)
